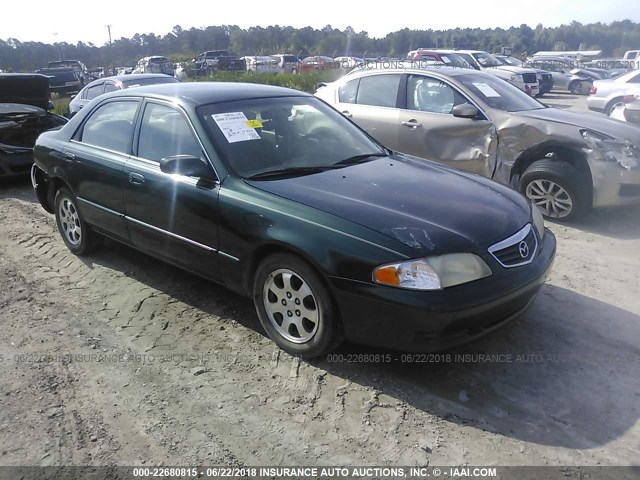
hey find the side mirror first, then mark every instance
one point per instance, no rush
(186, 165)
(465, 110)
(50, 105)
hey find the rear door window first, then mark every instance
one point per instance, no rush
(379, 90)
(110, 126)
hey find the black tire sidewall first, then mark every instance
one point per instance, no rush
(328, 334)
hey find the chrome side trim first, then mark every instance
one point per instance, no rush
(235, 259)
(108, 210)
(171, 234)
(511, 241)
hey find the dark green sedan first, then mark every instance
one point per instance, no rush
(274, 194)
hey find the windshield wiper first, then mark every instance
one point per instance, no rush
(360, 158)
(289, 172)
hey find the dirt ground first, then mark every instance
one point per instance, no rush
(119, 359)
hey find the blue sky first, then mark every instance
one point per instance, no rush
(76, 20)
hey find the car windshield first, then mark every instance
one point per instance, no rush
(284, 134)
(486, 60)
(498, 93)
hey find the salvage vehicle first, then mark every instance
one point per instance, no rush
(287, 62)
(214, 60)
(317, 62)
(272, 193)
(629, 109)
(24, 114)
(262, 64)
(566, 162)
(111, 84)
(561, 69)
(66, 76)
(154, 64)
(606, 95)
(523, 78)
(545, 79)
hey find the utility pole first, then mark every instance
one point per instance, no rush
(110, 59)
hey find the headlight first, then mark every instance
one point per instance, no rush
(433, 273)
(623, 153)
(538, 220)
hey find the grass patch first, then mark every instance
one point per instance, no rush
(60, 104)
(306, 81)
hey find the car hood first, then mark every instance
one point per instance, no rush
(587, 120)
(28, 89)
(430, 208)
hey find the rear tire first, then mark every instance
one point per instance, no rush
(76, 234)
(558, 188)
(575, 87)
(612, 105)
(295, 307)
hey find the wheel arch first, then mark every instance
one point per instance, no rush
(267, 249)
(46, 187)
(561, 153)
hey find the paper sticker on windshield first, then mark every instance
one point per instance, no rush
(254, 123)
(235, 127)
(486, 89)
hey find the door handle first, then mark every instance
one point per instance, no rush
(70, 156)
(347, 114)
(412, 124)
(136, 178)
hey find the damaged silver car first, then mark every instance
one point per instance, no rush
(565, 162)
(24, 114)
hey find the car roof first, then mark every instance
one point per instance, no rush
(437, 68)
(127, 78)
(202, 93)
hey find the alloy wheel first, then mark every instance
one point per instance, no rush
(291, 306)
(70, 221)
(551, 198)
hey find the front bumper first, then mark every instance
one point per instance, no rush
(411, 320)
(613, 185)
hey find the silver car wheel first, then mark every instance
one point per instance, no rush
(291, 306)
(551, 198)
(70, 221)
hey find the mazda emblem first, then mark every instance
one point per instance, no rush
(523, 248)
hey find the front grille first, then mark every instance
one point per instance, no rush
(519, 249)
(529, 77)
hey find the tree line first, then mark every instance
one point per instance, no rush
(184, 44)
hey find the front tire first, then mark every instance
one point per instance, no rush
(295, 307)
(557, 188)
(76, 234)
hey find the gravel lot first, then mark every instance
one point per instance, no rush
(119, 359)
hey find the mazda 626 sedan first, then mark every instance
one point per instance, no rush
(274, 194)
